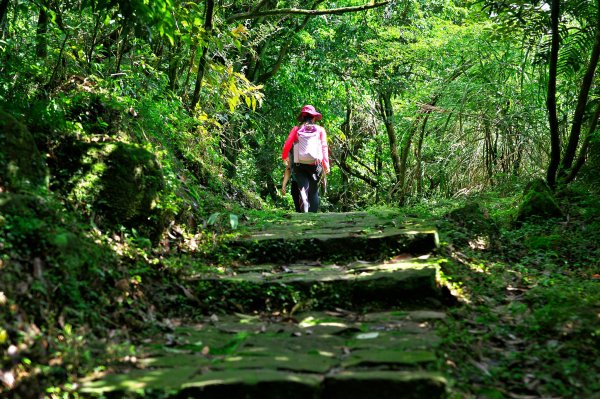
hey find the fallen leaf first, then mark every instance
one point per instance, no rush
(482, 367)
(370, 335)
(7, 378)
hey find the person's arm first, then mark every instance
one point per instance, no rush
(286, 176)
(289, 142)
(325, 149)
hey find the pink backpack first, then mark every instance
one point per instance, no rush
(308, 149)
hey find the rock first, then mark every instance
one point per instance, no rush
(474, 218)
(337, 236)
(22, 167)
(474, 226)
(538, 201)
(131, 183)
(118, 183)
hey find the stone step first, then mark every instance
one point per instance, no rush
(334, 237)
(320, 355)
(357, 285)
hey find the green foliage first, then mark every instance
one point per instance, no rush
(533, 303)
(538, 201)
(21, 165)
(112, 189)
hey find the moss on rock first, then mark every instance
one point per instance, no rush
(538, 201)
(473, 223)
(21, 164)
(130, 186)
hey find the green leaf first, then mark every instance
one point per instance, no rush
(171, 39)
(233, 221)
(212, 219)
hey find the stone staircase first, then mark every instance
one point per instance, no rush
(359, 299)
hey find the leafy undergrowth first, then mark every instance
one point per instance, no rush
(529, 324)
(74, 299)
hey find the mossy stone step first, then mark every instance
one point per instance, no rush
(373, 285)
(318, 355)
(335, 236)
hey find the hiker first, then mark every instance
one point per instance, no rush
(310, 159)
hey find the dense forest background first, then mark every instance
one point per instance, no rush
(420, 99)
(134, 129)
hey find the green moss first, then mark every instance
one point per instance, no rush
(22, 166)
(538, 201)
(130, 186)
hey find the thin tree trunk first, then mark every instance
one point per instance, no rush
(489, 150)
(419, 161)
(90, 52)
(3, 13)
(189, 72)
(585, 146)
(173, 66)
(387, 113)
(208, 26)
(41, 45)
(121, 48)
(582, 101)
(378, 167)
(406, 145)
(346, 128)
(58, 62)
(551, 97)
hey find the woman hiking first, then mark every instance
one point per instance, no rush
(310, 159)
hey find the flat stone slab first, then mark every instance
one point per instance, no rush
(335, 236)
(373, 285)
(309, 355)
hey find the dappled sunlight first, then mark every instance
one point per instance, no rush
(148, 246)
(479, 243)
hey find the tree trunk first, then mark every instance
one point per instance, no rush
(3, 13)
(173, 70)
(582, 101)
(208, 26)
(189, 68)
(418, 160)
(490, 158)
(378, 166)
(406, 145)
(90, 52)
(121, 49)
(41, 39)
(551, 97)
(346, 128)
(387, 112)
(585, 146)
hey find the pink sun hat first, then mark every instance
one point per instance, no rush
(309, 110)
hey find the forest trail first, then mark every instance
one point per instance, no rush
(360, 300)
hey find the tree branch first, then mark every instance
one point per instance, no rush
(356, 174)
(299, 11)
(282, 53)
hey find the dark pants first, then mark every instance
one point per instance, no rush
(296, 196)
(307, 179)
